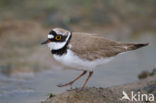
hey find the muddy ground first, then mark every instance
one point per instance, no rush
(106, 95)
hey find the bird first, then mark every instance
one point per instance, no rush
(84, 51)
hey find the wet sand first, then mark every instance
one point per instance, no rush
(105, 95)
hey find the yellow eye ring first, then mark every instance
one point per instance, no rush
(58, 37)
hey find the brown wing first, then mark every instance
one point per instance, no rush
(91, 47)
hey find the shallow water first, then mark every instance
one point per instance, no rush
(124, 68)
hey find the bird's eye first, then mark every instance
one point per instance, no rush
(58, 37)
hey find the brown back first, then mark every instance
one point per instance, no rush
(92, 47)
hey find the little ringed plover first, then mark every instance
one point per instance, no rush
(84, 51)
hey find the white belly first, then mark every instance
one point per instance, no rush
(71, 60)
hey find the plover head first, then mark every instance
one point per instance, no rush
(57, 38)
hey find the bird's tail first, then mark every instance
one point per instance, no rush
(133, 46)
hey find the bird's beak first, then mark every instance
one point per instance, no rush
(45, 42)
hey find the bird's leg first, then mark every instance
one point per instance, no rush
(85, 82)
(70, 83)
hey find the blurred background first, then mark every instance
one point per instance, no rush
(27, 70)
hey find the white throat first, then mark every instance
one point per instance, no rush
(58, 45)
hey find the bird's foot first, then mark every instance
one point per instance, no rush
(60, 85)
(63, 85)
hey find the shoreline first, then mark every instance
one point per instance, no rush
(105, 95)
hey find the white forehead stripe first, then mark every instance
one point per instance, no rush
(50, 36)
(64, 33)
